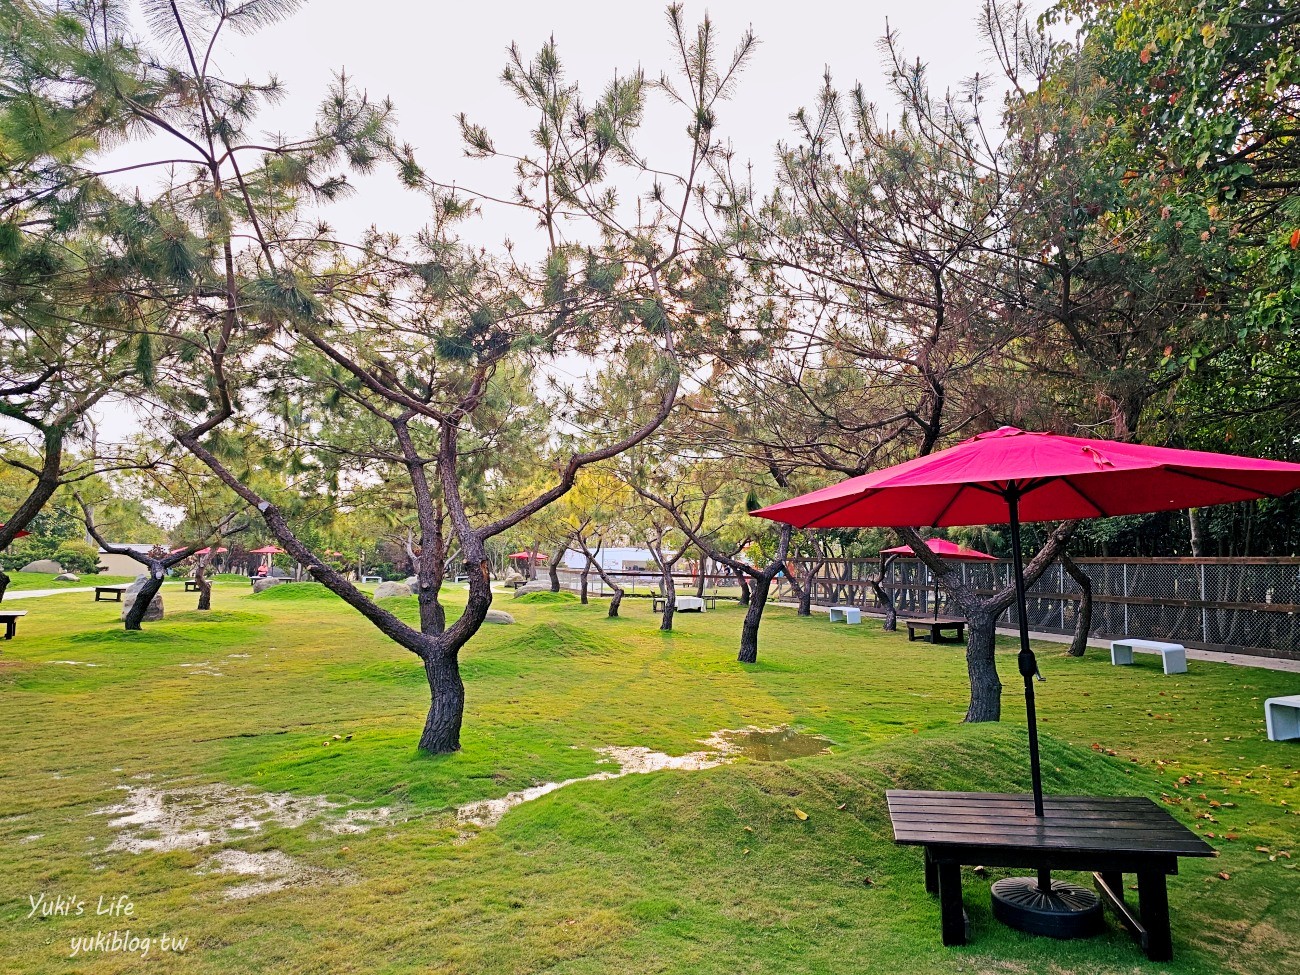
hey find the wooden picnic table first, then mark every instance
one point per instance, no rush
(1107, 835)
(10, 619)
(936, 626)
(115, 591)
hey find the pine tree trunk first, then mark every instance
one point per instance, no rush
(616, 602)
(753, 618)
(4, 584)
(582, 590)
(670, 599)
(441, 734)
(745, 595)
(143, 599)
(1083, 621)
(205, 586)
(981, 667)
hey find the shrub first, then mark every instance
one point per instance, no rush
(77, 556)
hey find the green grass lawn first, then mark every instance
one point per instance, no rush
(702, 872)
(43, 580)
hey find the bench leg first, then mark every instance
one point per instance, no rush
(1153, 904)
(11, 627)
(952, 916)
(931, 876)
(911, 634)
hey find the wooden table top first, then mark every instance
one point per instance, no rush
(928, 620)
(1102, 824)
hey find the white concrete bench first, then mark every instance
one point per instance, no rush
(1282, 715)
(1173, 655)
(849, 614)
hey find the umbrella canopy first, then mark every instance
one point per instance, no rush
(202, 551)
(21, 533)
(945, 549)
(1009, 475)
(1055, 478)
(524, 556)
(266, 550)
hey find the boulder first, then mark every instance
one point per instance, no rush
(498, 616)
(387, 590)
(155, 610)
(537, 585)
(67, 577)
(43, 565)
(262, 585)
(512, 576)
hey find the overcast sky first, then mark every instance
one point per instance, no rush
(438, 59)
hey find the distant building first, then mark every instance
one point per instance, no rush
(613, 559)
(123, 565)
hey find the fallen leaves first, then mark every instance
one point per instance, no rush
(800, 815)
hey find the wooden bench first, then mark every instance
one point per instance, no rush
(849, 614)
(192, 585)
(936, 627)
(1106, 835)
(657, 601)
(711, 600)
(10, 619)
(1172, 655)
(115, 591)
(1282, 717)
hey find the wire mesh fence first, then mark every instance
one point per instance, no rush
(1244, 605)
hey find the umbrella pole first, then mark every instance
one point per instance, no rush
(1026, 661)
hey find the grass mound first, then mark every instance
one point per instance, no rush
(548, 597)
(559, 640)
(294, 591)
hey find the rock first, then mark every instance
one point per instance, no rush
(512, 576)
(67, 577)
(386, 590)
(43, 565)
(262, 585)
(537, 585)
(155, 610)
(498, 616)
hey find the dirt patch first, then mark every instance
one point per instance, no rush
(158, 819)
(274, 870)
(721, 747)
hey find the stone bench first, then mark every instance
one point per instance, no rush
(849, 614)
(1282, 715)
(1172, 655)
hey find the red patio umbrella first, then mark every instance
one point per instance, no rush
(21, 533)
(525, 556)
(944, 549)
(202, 551)
(266, 550)
(1009, 476)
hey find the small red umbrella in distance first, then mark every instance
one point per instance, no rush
(266, 550)
(1009, 476)
(21, 533)
(540, 556)
(945, 549)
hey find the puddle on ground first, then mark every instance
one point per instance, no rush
(721, 747)
(772, 744)
(159, 819)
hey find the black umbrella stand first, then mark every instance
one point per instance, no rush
(1038, 905)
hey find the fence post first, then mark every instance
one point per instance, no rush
(1125, 568)
(1060, 575)
(1205, 612)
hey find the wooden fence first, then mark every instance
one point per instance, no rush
(1241, 605)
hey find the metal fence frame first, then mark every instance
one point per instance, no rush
(1237, 605)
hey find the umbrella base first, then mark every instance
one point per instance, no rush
(1068, 911)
